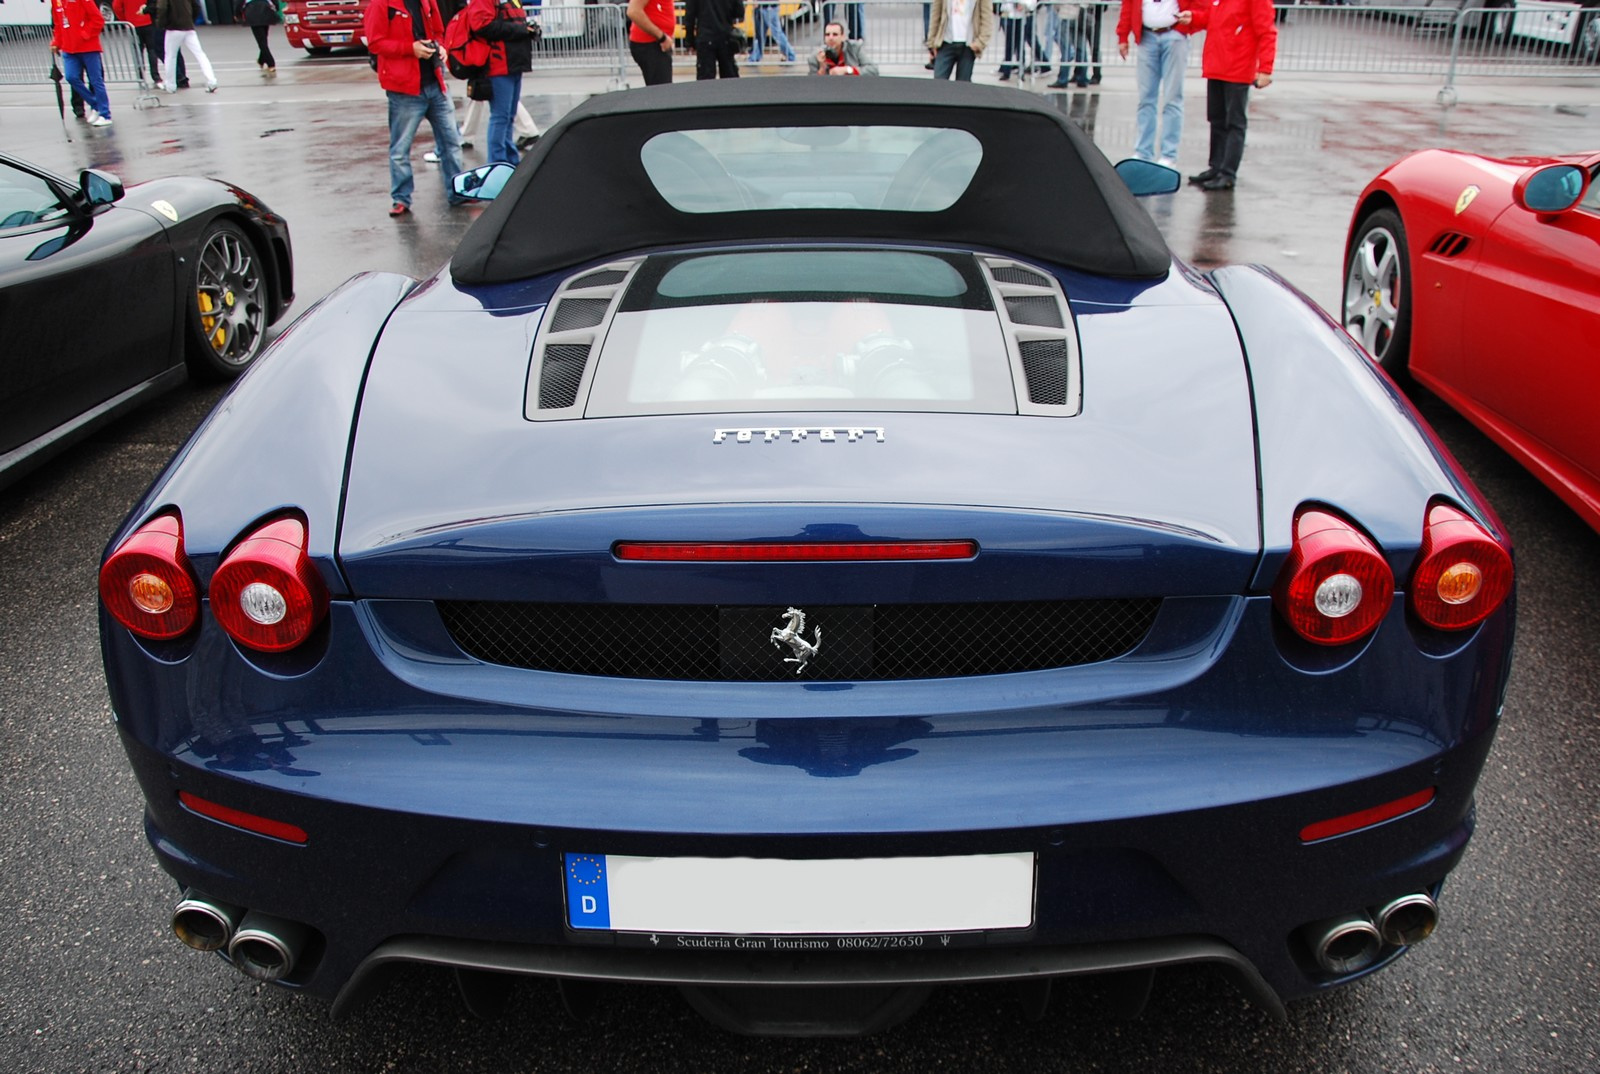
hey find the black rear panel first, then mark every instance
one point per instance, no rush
(711, 643)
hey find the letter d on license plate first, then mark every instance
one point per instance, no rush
(834, 896)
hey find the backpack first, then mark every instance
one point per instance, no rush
(467, 57)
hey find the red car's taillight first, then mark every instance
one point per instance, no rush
(1336, 585)
(1463, 574)
(147, 584)
(267, 594)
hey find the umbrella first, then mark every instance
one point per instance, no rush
(61, 100)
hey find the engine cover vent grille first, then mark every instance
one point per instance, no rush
(712, 643)
(574, 324)
(1040, 337)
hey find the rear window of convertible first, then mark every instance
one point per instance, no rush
(804, 329)
(899, 169)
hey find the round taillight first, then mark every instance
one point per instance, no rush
(1336, 585)
(147, 584)
(1463, 574)
(267, 594)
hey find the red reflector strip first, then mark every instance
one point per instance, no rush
(277, 829)
(1366, 818)
(794, 552)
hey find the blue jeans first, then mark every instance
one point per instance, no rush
(406, 114)
(75, 66)
(1161, 59)
(855, 23)
(954, 57)
(768, 22)
(507, 90)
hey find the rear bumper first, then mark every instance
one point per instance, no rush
(1164, 807)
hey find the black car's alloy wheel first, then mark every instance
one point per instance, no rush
(228, 314)
(1377, 281)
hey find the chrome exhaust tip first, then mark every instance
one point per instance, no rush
(1345, 944)
(1407, 920)
(266, 947)
(203, 923)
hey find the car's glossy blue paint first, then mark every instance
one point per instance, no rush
(1165, 792)
(257, 458)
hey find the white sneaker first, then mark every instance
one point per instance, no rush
(430, 157)
(97, 120)
(1168, 162)
(211, 87)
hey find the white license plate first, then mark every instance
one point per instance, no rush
(336, 39)
(836, 896)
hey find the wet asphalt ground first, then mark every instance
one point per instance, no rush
(91, 979)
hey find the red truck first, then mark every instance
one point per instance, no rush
(320, 26)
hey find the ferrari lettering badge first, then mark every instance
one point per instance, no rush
(792, 634)
(794, 436)
(1465, 199)
(165, 209)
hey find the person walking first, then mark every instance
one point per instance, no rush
(1160, 29)
(650, 30)
(176, 19)
(260, 15)
(134, 13)
(769, 20)
(504, 25)
(1241, 45)
(404, 36)
(958, 32)
(709, 25)
(75, 37)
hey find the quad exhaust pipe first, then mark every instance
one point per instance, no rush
(1351, 943)
(260, 945)
(204, 923)
(266, 947)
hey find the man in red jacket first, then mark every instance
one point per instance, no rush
(1241, 45)
(76, 39)
(404, 36)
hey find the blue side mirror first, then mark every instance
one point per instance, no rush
(484, 183)
(1552, 189)
(1145, 177)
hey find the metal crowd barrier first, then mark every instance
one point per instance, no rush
(25, 58)
(582, 37)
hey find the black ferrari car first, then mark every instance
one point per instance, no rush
(110, 295)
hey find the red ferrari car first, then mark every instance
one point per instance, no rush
(1480, 279)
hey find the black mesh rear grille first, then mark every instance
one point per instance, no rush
(602, 278)
(734, 644)
(1044, 363)
(578, 313)
(561, 373)
(1040, 310)
(1012, 274)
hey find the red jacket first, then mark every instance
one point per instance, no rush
(131, 12)
(77, 25)
(1241, 39)
(504, 25)
(389, 38)
(1130, 23)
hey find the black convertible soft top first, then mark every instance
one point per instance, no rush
(1042, 189)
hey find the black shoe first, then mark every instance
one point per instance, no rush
(183, 84)
(1203, 178)
(928, 66)
(526, 142)
(1081, 83)
(1058, 85)
(1005, 76)
(1094, 79)
(1219, 182)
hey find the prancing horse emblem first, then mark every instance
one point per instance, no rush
(792, 634)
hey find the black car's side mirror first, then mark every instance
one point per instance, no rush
(1146, 178)
(98, 188)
